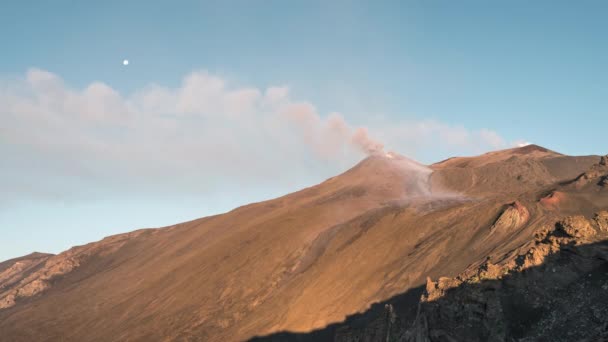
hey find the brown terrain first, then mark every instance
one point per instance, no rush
(507, 246)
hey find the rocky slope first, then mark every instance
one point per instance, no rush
(30, 275)
(14, 271)
(553, 289)
(552, 286)
(304, 262)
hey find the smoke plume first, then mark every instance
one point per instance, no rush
(199, 136)
(365, 143)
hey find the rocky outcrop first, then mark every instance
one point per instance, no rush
(597, 174)
(28, 278)
(539, 291)
(601, 220)
(543, 292)
(40, 280)
(534, 291)
(513, 217)
(12, 271)
(576, 226)
(589, 177)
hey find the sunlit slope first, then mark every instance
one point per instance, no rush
(295, 263)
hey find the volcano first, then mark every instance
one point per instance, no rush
(504, 246)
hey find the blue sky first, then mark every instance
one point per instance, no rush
(429, 79)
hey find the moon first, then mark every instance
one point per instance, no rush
(125, 62)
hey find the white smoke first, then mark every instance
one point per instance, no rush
(419, 190)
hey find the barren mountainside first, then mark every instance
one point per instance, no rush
(505, 246)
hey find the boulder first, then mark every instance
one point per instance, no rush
(601, 220)
(576, 226)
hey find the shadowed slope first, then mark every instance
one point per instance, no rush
(532, 296)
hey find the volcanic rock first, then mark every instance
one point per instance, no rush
(576, 226)
(601, 219)
(513, 217)
(524, 306)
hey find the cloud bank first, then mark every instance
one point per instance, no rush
(205, 135)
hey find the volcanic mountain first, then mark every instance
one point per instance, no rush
(448, 250)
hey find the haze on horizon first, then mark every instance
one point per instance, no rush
(223, 105)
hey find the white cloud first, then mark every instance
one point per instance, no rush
(492, 138)
(205, 134)
(421, 138)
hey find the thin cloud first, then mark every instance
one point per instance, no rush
(204, 135)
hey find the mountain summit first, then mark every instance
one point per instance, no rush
(389, 230)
